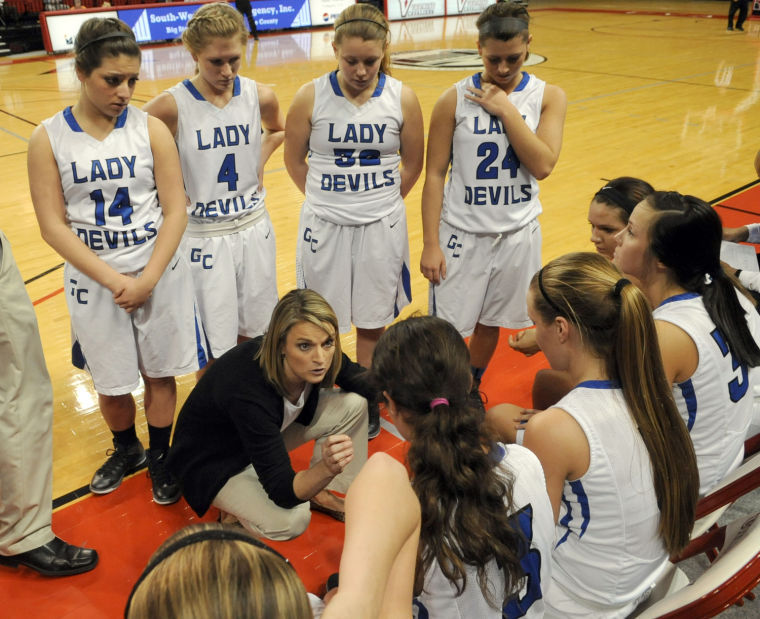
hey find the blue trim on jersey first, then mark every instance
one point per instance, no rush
(122, 119)
(577, 488)
(687, 391)
(599, 384)
(679, 297)
(193, 90)
(68, 116)
(477, 81)
(339, 93)
(497, 452)
(334, 83)
(380, 85)
(77, 356)
(197, 94)
(523, 82)
(201, 351)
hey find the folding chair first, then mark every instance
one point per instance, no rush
(732, 575)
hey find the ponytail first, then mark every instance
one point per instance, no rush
(615, 323)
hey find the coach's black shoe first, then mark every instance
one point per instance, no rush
(166, 490)
(56, 558)
(373, 424)
(121, 461)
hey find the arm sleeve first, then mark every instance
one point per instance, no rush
(354, 377)
(262, 440)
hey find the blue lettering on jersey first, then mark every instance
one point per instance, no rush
(530, 561)
(504, 195)
(494, 126)
(223, 206)
(80, 294)
(363, 133)
(205, 260)
(229, 135)
(111, 168)
(365, 181)
(738, 386)
(99, 239)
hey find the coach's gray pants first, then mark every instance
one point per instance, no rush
(26, 419)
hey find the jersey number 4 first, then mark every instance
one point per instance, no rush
(228, 173)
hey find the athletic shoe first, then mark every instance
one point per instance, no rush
(121, 461)
(166, 490)
(740, 29)
(373, 425)
(729, 29)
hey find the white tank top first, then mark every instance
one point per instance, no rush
(536, 519)
(354, 159)
(488, 190)
(608, 551)
(220, 152)
(716, 402)
(108, 187)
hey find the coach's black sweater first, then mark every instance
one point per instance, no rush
(232, 419)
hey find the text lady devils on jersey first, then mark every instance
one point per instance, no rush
(111, 204)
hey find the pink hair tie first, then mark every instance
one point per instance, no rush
(437, 401)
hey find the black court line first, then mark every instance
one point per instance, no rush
(733, 193)
(21, 152)
(48, 272)
(18, 118)
(84, 491)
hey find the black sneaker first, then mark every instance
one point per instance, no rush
(166, 490)
(373, 425)
(121, 461)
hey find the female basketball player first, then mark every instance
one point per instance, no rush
(107, 190)
(226, 127)
(500, 131)
(708, 332)
(363, 133)
(261, 400)
(608, 214)
(487, 530)
(619, 465)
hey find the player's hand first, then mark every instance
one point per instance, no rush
(490, 97)
(525, 342)
(132, 294)
(523, 418)
(433, 264)
(337, 452)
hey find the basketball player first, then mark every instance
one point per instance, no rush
(363, 133)
(499, 132)
(226, 127)
(614, 447)
(486, 543)
(708, 332)
(107, 191)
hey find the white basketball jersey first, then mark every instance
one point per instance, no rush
(535, 518)
(716, 402)
(608, 551)
(220, 151)
(488, 190)
(108, 187)
(354, 156)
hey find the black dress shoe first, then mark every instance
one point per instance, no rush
(56, 558)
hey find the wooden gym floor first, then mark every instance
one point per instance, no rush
(657, 90)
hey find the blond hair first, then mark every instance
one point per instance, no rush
(211, 570)
(615, 323)
(217, 20)
(369, 24)
(301, 305)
